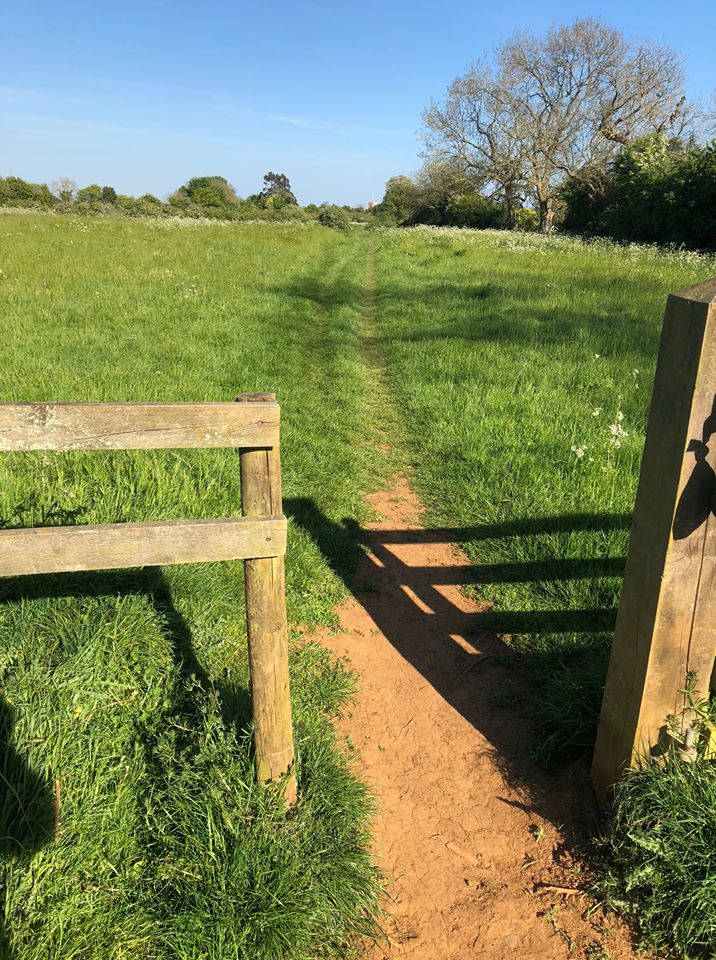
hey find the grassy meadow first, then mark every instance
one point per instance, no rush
(130, 688)
(521, 370)
(523, 366)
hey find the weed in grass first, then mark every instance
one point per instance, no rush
(537, 831)
(659, 847)
(660, 855)
(597, 951)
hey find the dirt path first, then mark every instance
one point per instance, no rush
(470, 832)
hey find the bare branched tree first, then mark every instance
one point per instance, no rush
(473, 129)
(710, 119)
(544, 107)
(64, 189)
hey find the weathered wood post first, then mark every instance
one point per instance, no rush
(258, 538)
(666, 625)
(266, 620)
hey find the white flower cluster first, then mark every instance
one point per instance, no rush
(537, 243)
(617, 434)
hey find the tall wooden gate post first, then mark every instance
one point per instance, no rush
(666, 625)
(266, 620)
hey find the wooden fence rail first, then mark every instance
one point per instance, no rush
(666, 625)
(258, 537)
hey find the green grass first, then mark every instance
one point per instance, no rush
(508, 358)
(660, 856)
(130, 689)
(511, 356)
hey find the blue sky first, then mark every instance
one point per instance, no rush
(144, 95)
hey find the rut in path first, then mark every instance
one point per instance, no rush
(470, 832)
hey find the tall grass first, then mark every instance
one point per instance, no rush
(522, 368)
(127, 692)
(659, 853)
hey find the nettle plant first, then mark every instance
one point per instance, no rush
(693, 731)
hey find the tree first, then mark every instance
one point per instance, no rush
(657, 190)
(474, 210)
(472, 130)
(15, 192)
(64, 189)
(438, 184)
(400, 199)
(214, 195)
(277, 191)
(90, 194)
(541, 108)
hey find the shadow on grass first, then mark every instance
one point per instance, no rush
(408, 603)
(473, 311)
(149, 582)
(26, 798)
(26, 806)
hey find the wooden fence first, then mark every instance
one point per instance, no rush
(666, 625)
(258, 537)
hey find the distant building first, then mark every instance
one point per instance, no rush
(371, 204)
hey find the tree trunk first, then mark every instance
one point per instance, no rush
(510, 209)
(546, 215)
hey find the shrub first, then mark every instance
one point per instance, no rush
(334, 217)
(145, 206)
(656, 191)
(399, 202)
(15, 192)
(526, 219)
(206, 197)
(90, 194)
(474, 210)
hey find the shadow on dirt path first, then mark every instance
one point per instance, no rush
(471, 831)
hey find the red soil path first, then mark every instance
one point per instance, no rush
(470, 832)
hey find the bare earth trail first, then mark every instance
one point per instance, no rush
(470, 833)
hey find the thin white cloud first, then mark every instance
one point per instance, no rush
(146, 132)
(25, 97)
(339, 129)
(15, 96)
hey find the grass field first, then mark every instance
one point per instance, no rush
(522, 369)
(131, 688)
(524, 366)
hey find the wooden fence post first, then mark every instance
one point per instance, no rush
(266, 621)
(666, 625)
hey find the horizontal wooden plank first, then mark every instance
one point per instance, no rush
(114, 545)
(137, 426)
